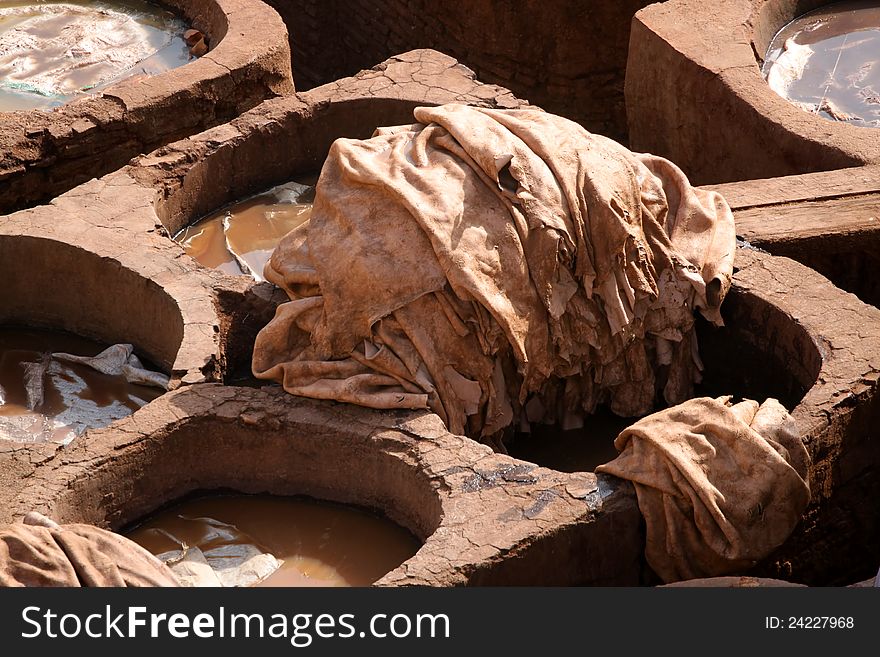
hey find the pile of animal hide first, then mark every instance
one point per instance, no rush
(499, 267)
(720, 485)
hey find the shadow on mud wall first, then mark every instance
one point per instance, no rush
(848, 261)
(567, 56)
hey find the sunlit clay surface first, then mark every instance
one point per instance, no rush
(240, 238)
(316, 543)
(44, 399)
(54, 52)
(828, 62)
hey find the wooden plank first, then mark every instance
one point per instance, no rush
(792, 221)
(805, 187)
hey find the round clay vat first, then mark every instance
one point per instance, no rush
(47, 153)
(839, 536)
(791, 334)
(760, 352)
(287, 454)
(800, 330)
(695, 94)
(484, 518)
(79, 292)
(108, 279)
(284, 137)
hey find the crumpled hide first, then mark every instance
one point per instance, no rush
(32, 426)
(223, 556)
(720, 485)
(498, 267)
(119, 360)
(41, 553)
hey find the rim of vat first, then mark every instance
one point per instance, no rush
(770, 16)
(286, 136)
(722, 46)
(110, 224)
(843, 330)
(44, 153)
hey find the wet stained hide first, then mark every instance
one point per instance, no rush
(39, 552)
(720, 485)
(499, 267)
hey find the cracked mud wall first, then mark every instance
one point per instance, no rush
(838, 417)
(567, 56)
(287, 136)
(476, 511)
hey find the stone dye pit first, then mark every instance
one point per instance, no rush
(54, 52)
(44, 396)
(170, 323)
(295, 541)
(686, 56)
(828, 62)
(240, 239)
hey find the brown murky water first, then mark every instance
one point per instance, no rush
(75, 396)
(239, 239)
(320, 543)
(828, 62)
(53, 52)
(575, 450)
